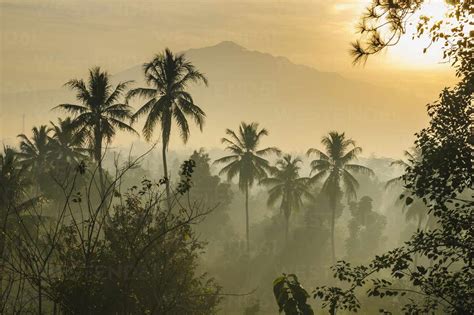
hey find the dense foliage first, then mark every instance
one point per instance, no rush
(441, 178)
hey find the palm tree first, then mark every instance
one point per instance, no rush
(417, 209)
(100, 113)
(168, 77)
(287, 187)
(35, 152)
(246, 161)
(335, 169)
(67, 143)
(14, 182)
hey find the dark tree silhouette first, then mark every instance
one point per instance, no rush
(100, 113)
(335, 169)
(246, 161)
(14, 200)
(67, 143)
(416, 210)
(287, 188)
(442, 178)
(168, 76)
(35, 152)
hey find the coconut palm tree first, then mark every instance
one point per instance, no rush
(167, 99)
(35, 153)
(14, 183)
(287, 187)
(415, 210)
(246, 161)
(100, 113)
(335, 170)
(67, 143)
(411, 157)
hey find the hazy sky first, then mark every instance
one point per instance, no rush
(46, 42)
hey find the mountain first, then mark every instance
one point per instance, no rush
(296, 103)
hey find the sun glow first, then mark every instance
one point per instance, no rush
(409, 52)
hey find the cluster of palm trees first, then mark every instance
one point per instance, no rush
(101, 110)
(104, 109)
(334, 168)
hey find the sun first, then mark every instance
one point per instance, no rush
(409, 52)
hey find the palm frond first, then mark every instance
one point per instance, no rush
(269, 150)
(226, 159)
(182, 124)
(350, 184)
(321, 154)
(359, 169)
(72, 108)
(141, 92)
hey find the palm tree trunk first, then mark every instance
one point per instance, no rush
(3, 233)
(40, 297)
(287, 227)
(247, 217)
(333, 223)
(98, 158)
(167, 183)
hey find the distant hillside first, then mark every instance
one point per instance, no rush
(298, 104)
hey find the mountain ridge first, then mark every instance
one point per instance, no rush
(297, 103)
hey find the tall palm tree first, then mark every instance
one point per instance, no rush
(335, 169)
(246, 161)
(168, 76)
(35, 152)
(14, 183)
(13, 179)
(415, 210)
(100, 113)
(287, 187)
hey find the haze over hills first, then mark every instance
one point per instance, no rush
(296, 103)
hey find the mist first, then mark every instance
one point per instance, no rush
(236, 157)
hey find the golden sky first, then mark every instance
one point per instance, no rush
(44, 43)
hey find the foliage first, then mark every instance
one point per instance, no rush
(208, 189)
(365, 230)
(287, 187)
(121, 255)
(100, 113)
(168, 76)
(385, 21)
(334, 167)
(414, 208)
(291, 296)
(67, 143)
(168, 100)
(441, 178)
(35, 152)
(145, 263)
(246, 160)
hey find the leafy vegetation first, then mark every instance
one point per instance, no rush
(85, 230)
(439, 178)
